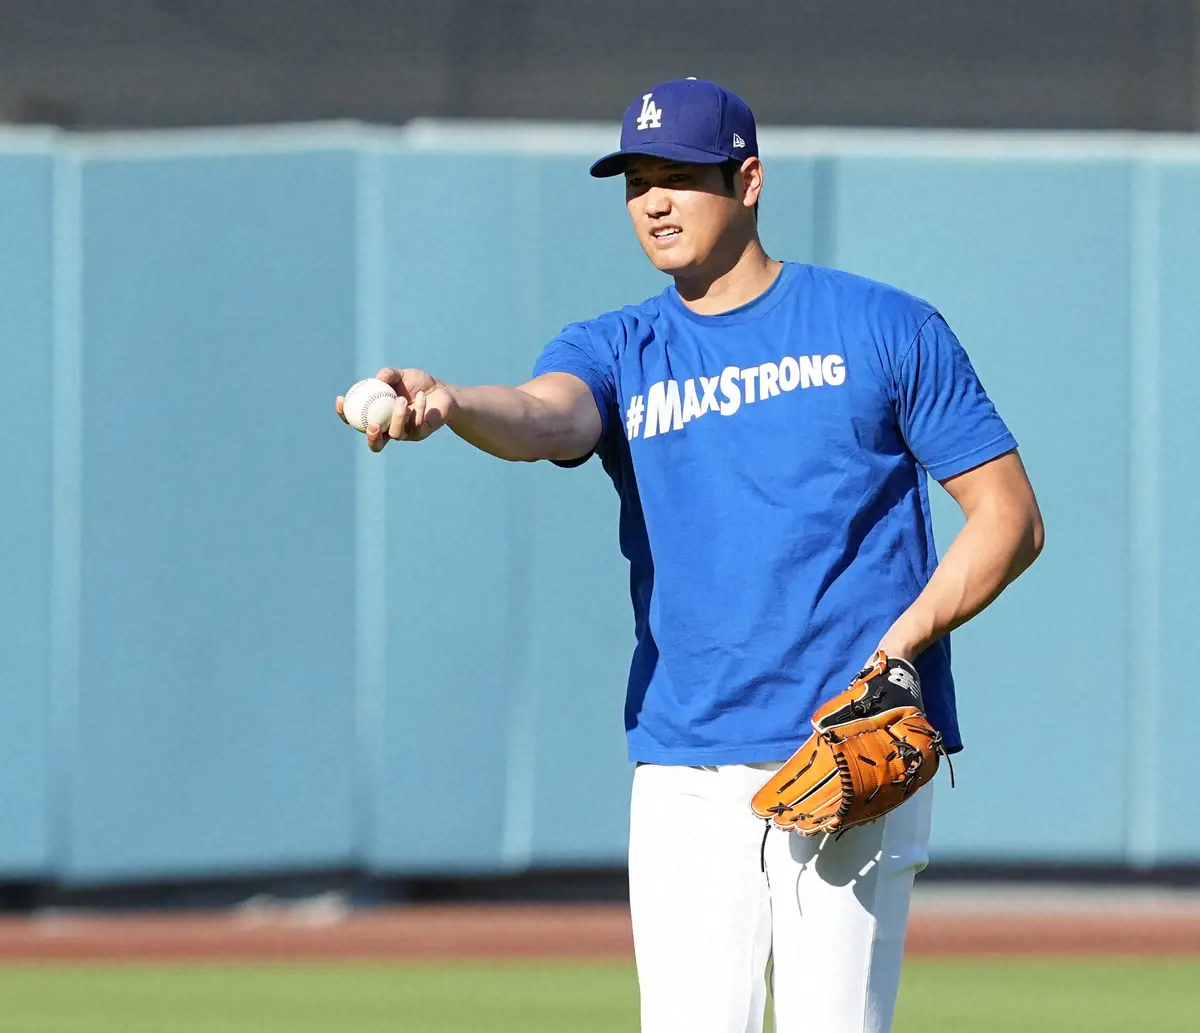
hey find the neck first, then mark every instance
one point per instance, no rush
(731, 283)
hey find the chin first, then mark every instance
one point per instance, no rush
(671, 262)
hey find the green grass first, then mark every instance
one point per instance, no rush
(1028, 996)
(1050, 996)
(304, 998)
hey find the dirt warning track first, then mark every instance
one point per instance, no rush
(548, 931)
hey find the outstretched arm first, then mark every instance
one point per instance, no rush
(1001, 538)
(553, 416)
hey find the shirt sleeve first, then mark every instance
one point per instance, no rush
(948, 422)
(573, 351)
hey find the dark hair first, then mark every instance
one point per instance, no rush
(729, 169)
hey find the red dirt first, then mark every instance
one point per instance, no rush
(415, 932)
(545, 931)
(948, 934)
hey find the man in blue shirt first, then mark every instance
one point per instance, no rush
(769, 428)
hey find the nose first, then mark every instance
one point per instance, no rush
(658, 202)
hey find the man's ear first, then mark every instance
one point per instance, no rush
(752, 181)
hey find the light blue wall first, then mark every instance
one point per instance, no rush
(26, 474)
(235, 641)
(213, 725)
(1169, 286)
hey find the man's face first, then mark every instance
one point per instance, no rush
(681, 213)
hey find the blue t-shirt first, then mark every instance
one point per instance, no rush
(774, 509)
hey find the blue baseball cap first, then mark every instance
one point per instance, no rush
(686, 120)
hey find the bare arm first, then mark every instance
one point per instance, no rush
(553, 416)
(1001, 538)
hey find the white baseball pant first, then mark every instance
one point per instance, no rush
(827, 915)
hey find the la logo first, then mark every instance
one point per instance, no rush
(651, 116)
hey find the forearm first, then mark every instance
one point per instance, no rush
(513, 424)
(995, 546)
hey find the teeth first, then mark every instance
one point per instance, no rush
(664, 233)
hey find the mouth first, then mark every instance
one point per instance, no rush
(665, 236)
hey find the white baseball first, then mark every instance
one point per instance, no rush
(369, 401)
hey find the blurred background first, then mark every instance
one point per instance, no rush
(1035, 64)
(241, 655)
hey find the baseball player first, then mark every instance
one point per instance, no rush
(769, 427)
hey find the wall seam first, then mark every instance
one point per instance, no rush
(370, 527)
(66, 549)
(824, 215)
(1145, 491)
(520, 759)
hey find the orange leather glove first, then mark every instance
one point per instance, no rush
(870, 750)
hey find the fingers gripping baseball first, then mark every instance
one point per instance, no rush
(419, 407)
(422, 404)
(407, 382)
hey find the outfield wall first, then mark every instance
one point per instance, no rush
(233, 641)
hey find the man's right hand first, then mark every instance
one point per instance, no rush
(423, 405)
(553, 416)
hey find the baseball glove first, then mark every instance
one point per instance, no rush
(870, 750)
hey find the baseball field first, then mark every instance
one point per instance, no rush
(556, 970)
(992, 996)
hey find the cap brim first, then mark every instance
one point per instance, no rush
(614, 164)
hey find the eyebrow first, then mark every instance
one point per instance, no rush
(664, 165)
